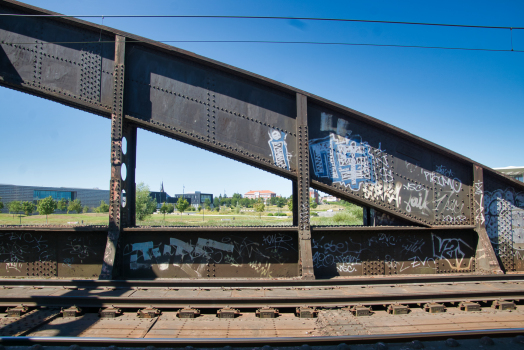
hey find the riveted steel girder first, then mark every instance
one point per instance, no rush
(139, 83)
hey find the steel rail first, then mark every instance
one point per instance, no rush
(259, 283)
(214, 301)
(320, 340)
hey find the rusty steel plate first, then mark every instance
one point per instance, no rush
(208, 254)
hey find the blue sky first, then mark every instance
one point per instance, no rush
(471, 102)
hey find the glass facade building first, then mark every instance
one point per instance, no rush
(56, 195)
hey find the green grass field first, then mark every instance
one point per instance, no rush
(342, 216)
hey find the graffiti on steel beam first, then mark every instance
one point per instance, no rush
(504, 217)
(21, 247)
(192, 257)
(278, 145)
(479, 203)
(406, 252)
(343, 160)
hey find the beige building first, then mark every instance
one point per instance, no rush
(516, 172)
(264, 194)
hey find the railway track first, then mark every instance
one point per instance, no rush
(273, 312)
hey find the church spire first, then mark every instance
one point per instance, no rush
(162, 187)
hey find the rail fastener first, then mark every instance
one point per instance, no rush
(434, 308)
(267, 312)
(503, 305)
(469, 306)
(306, 312)
(398, 309)
(109, 312)
(148, 312)
(228, 312)
(72, 311)
(361, 310)
(17, 311)
(188, 312)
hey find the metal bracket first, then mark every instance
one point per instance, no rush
(188, 313)
(434, 308)
(73, 311)
(267, 312)
(17, 311)
(469, 306)
(148, 312)
(228, 313)
(110, 312)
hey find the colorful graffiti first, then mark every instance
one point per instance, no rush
(278, 145)
(343, 160)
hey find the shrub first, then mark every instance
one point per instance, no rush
(314, 213)
(270, 214)
(343, 216)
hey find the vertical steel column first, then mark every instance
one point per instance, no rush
(302, 190)
(295, 203)
(129, 158)
(485, 257)
(369, 216)
(115, 187)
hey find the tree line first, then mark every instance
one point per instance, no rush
(145, 204)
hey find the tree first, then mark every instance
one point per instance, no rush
(75, 205)
(14, 207)
(216, 202)
(207, 204)
(199, 208)
(28, 208)
(259, 207)
(273, 200)
(103, 208)
(235, 199)
(281, 201)
(85, 209)
(164, 209)
(237, 208)
(312, 203)
(61, 204)
(182, 204)
(290, 203)
(145, 205)
(46, 206)
(1, 204)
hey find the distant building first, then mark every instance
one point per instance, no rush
(265, 195)
(330, 199)
(89, 197)
(195, 198)
(313, 194)
(516, 172)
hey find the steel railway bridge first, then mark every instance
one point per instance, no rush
(428, 210)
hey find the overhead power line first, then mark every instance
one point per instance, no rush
(275, 42)
(271, 17)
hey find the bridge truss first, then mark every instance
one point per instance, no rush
(428, 210)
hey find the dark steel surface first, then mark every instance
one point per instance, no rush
(357, 253)
(210, 254)
(28, 253)
(177, 297)
(504, 221)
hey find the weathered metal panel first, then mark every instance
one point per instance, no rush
(63, 61)
(503, 213)
(210, 254)
(207, 105)
(356, 253)
(51, 254)
(376, 166)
